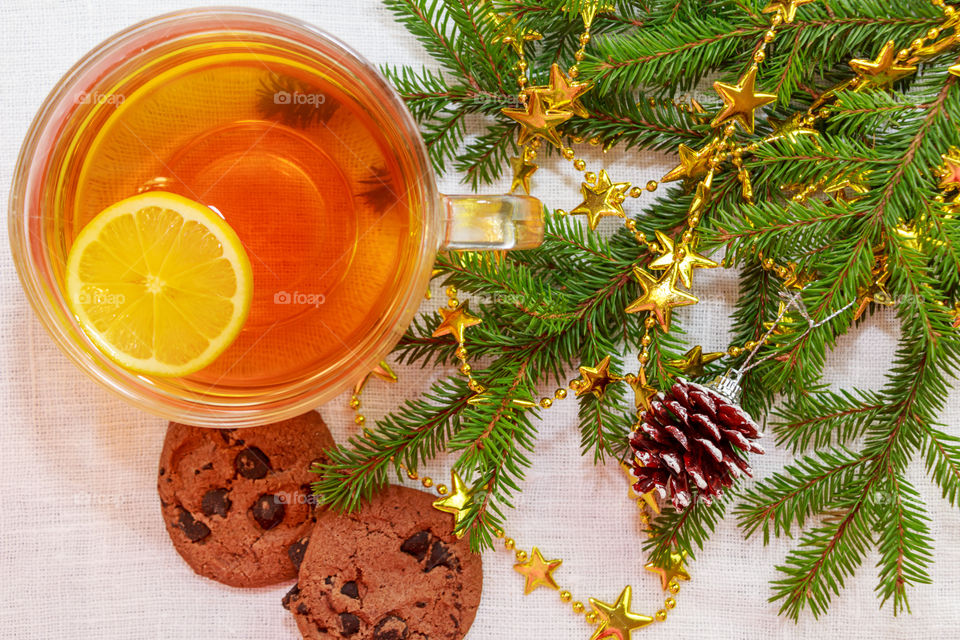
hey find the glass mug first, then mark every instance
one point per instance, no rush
(310, 155)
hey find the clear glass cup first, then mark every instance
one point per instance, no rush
(43, 220)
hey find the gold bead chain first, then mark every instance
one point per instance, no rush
(719, 149)
(510, 545)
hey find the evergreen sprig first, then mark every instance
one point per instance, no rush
(552, 309)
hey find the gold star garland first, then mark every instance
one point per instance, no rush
(884, 70)
(381, 371)
(740, 101)
(537, 571)
(523, 168)
(601, 198)
(949, 171)
(617, 620)
(693, 361)
(545, 109)
(456, 502)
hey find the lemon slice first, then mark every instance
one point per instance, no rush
(160, 283)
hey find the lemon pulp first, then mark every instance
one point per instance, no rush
(160, 283)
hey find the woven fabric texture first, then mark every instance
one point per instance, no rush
(83, 550)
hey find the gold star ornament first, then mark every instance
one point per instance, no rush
(693, 361)
(455, 322)
(848, 188)
(796, 280)
(689, 261)
(616, 620)
(949, 171)
(649, 498)
(589, 9)
(456, 501)
(741, 100)
(537, 571)
(672, 570)
(595, 379)
(786, 8)
(693, 163)
(522, 170)
(876, 291)
(791, 128)
(508, 31)
(382, 371)
(776, 326)
(882, 71)
(563, 93)
(538, 121)
(643, 393)
(701, 196)
(601, 199)
(659, 296)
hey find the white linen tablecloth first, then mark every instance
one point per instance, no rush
(83, 551)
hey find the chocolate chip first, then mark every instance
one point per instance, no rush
(440, 557)
(207, 466)
(291, 596)
(390, 628)
(349, 624)
(302, 610)
(215, 502)
(296, 552)
(350, 590)
(225, 434)
(162, 471)
(268, 511)
(252, 463)
(329, 580)
(421, 605)
(191, 527)
(417, 545)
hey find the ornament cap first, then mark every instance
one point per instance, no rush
(728, 385)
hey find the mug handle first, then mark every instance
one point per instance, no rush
(488, 223)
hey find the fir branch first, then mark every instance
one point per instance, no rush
(942, 459)
(819, 420)
(548, 311)
(824, 557)
(789, 498)
(687, 530)
(903, 540)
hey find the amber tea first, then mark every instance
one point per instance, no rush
(293, 162)
(227, 217)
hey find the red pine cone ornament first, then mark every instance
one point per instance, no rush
(692, 438)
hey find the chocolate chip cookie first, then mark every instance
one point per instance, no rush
(391, 571)
(237, 503)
